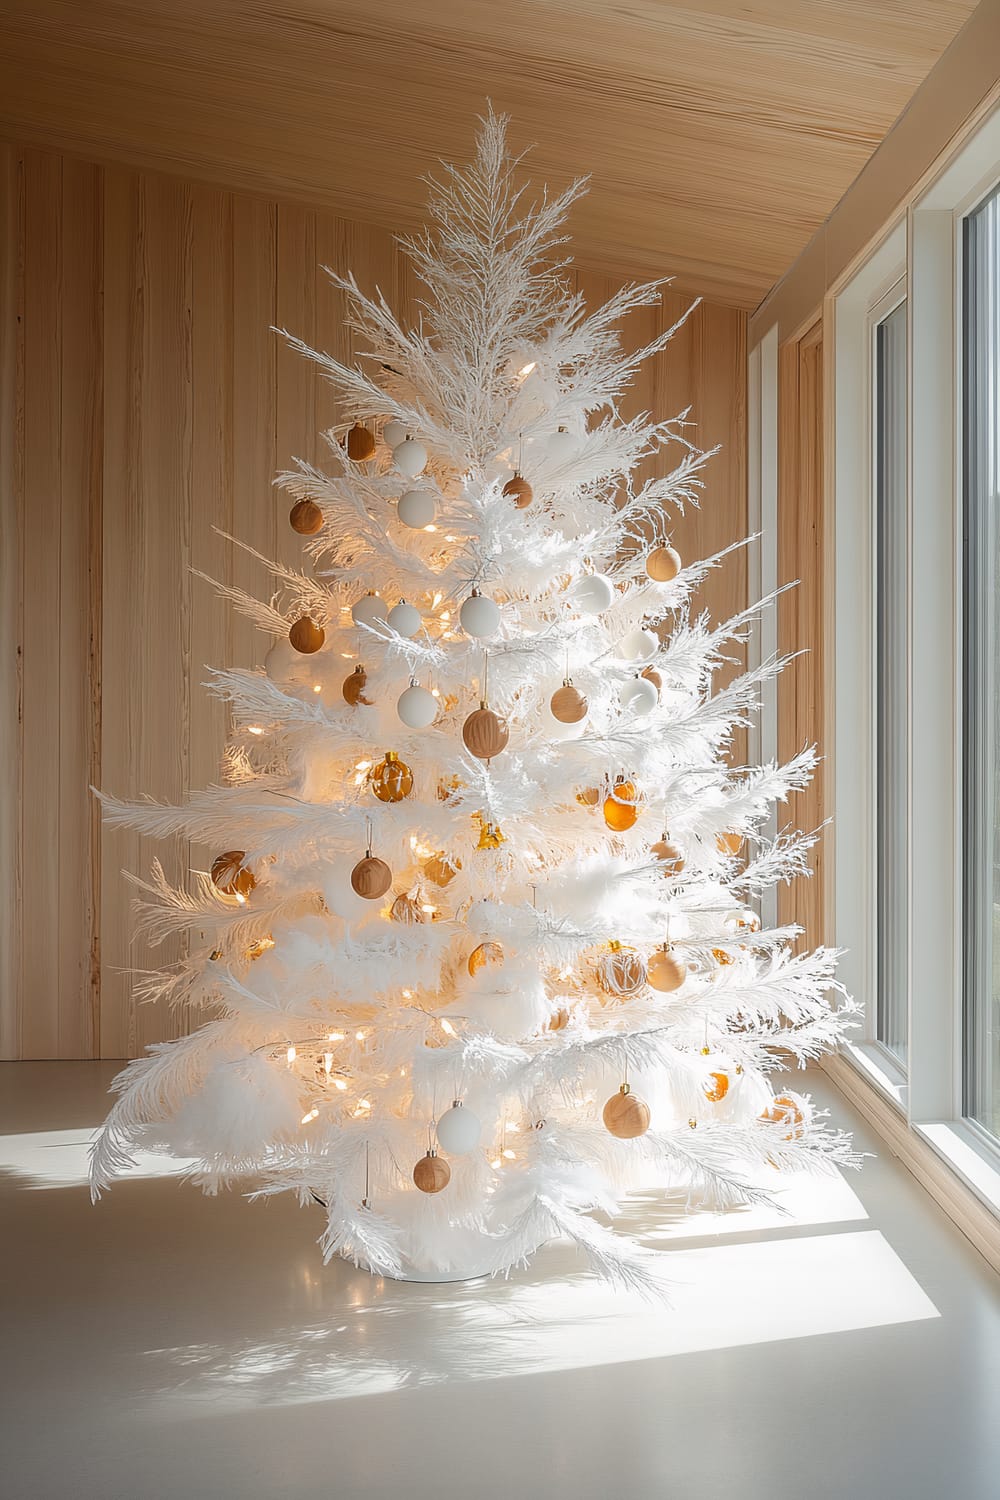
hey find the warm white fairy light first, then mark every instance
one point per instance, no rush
(290, 1056)
(311, 1115)
(339, 1083)
(327, 1062)
(447, 1027)
(335, 1036)
(526, 370)
(254, 729)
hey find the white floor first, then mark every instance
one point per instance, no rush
(164, 1346)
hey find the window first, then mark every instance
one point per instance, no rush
(890, 714)
(981, 638)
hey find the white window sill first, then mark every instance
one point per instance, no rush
(880, 1068)
(969, 1153)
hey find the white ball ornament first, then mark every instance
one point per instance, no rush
(394, 433)
(638, 645)
(561, 445)
(416, 508)
(593, 593)
(459, 1130)
(417, 707)
(367, 609)
(410, 457)
(282, 660)
(480, 615)
(639, 696)
(404, 618)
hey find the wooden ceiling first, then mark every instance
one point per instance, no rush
(719, 134)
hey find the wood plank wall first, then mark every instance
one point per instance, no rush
(144, 401)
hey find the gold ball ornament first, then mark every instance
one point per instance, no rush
(306, 637)
(663, 564)
(785, 1111)
(620, 810)
(441, 870)
(716, 1087)
(620, 971)
(408, 911)
(729, 843)
(371, 877)
(391, 780)
(668, 856)
(665, 971)
(354, 687)
(230, 875)
(432, 1173)
(568, 704)
(625, 1116)
(484, 733)
(360, 443)
(519, 490)
(305, 517)
(488, 955)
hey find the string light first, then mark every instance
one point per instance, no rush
(447, 1027)
(407, 994)
(254, 729)
(310, 1116)
(339, 1083)
(317, 687)
(363, 765)
(526, 370)
(359, 1036)
(335, 1036)
(436, 600)
(327, 1062)
(508, 1154)
(290, 1056)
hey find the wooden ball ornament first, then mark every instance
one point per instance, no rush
(441, 870)
(620, 971)
(663, 564)
(589, 796)
(484, 733)
(620, 810)
(391, 780)
(568, 704)
(306, 637)
(306, 518)
(665, 971)
(668, 856)
(625, 1116)
(716, 1087)
(488, 955)
(408, 911)
(653, 676)
(354, 687)
(519, 490)
(360, 443)
(371, 877)
(432, 1173)
(230, 875)
(729, 843)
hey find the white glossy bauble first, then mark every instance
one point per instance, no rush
(341, 897)
(638, 645)
(593, 593)
(404, 618)
(416, 508)
(394, 433)
(459, 1130)
(281, 660)
(417, 707)
(410, 457)
(561, 445)
(480, 616)
(639, 696)
(367, 609)
(481, 919)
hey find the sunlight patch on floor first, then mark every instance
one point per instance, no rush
(61, 1158)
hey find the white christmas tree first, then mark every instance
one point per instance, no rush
(482, 948)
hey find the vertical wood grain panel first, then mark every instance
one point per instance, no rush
(12, 238)
(155, 405)
(40, 686)
(81, 407)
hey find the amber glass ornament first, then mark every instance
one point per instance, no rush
(360, 443)
(668, 856)
(488, 955)
(306, 637)
(371, 877)
(491, 835)
(230, 875)
(354, 687)
(589, 796)
(485, 735)
(260, 947)
(305, 517)
(391, 780)
(663, 564)
(620, 810)
(729, 843)
(408, 911)
(432, 1173)
(721, 956)
(620, 971)
(665, 971)
(446, 790)
(784, 1111)
(716, 1087)
(519, 490)
(441, 869)
(568, 704)
(625, 1116)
